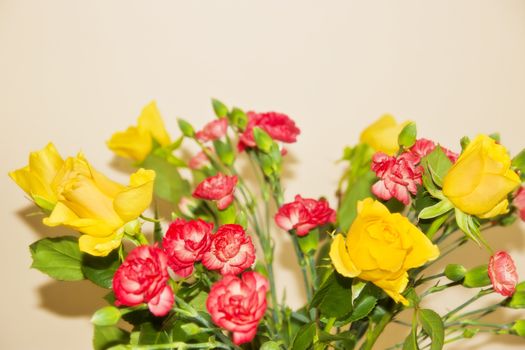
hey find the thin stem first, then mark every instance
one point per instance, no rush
(179, 345)
(429, 278)
(373, 334)
(480, 294)
(302, 264)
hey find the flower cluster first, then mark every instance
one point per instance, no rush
(304, 214)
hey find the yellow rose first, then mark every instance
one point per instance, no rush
(382, 134)
(137, 141)
(380, 247)
(97, 207)
(480, 180)
(38, 178)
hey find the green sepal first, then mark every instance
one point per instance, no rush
(238, 118)
(436, 210)
(477, 277)
(309, 242)
(470, 227)
(518, 161)
(224, 151)
(43, 203)
(438, 164)
(262, 139)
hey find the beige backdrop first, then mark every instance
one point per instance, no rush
(76, 71)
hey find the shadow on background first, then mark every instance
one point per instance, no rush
(72, 299)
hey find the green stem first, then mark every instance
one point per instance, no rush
(480, 294)
(429, 278)
(436, 225)
(302, 264)
(329, 324)
(372, 335)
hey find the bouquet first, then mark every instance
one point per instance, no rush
(201, 275)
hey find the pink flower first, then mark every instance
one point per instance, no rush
(423, 147)
(502, 273)
(398, 176)
(185, 243)
(519, 202)
(238, 304)
(304, 214)
(142, 278)
(231, 251)
(213, 130)
(279, 126)
(198, 161)
(219, 188)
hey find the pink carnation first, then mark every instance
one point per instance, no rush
(185, 243)
(142, 278)
(519, 202)
(218, 188)
(279, 126)
(213, 130)
(304, 214)
(423, 147)
(502, 273)
(198, 161)
(238, 304)
(231, 251)
(398, 176)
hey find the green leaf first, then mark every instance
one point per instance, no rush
(407, 136)
(151, 334)
(411, 340)
(433, 326)
(363, 305)
(328, 298)
(438, 164)
(358, 190)
(304, 337)
(309, 242)
(224, 151)
(169, 184)
(106, 337)
(100, 270)
(186, 128)
(518, 328)
(59, 258)
(106, 316)
(199, 301)
(477, 277)
(270, 345)
(437, 209)
(219, 108)
(347, 339)
(517, 301)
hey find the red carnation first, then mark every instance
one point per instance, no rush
(519, 202)
(502, 273)
(185, 243)
(304, 214)
(213, 130)
(424, 147)
(279, 126)
(142, 278)
(238, 304)
(218, 188)
(231, 251)
(398, 176)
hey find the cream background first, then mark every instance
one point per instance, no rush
(75, 71)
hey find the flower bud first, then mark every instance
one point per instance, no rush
(519, 328)
(455, 272)
(106, 316)
(502, 273)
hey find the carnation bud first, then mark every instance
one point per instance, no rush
(262, 139)
(186, 128)
(219, 108)
(455, 272)
(502, 273)
(477, 277)
(517, 301)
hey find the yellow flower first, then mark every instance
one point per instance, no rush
(38, 179)
(380, 247)
(382, 134)
(480, 180)
(97, 207)
(137, 141)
